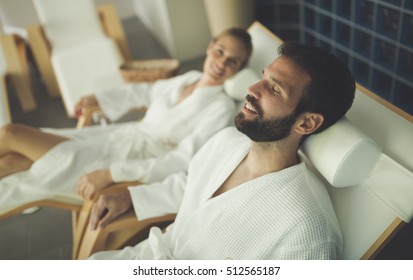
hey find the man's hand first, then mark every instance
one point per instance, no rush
(108, 207)
(90, 183)
(85, 101)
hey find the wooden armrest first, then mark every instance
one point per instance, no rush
(115, 188)
(14, 48)
(122, 231)
(81, 220)
(125, 230)
(85, 119)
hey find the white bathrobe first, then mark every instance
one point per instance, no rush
(162, 143)
(275, 216)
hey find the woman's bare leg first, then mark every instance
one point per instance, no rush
(29, 143)
(13, 162)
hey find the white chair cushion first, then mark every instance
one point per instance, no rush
(265, 47)
(78, 69)
(237, 86)
(68, 22)
(16, 15)
(342, 154)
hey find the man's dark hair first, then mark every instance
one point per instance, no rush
(331, 89)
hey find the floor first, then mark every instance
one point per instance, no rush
(46, 234)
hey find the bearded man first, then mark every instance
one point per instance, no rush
(246, 193)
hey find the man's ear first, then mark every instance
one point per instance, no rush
(307, 123)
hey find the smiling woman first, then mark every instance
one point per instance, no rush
(182, 113)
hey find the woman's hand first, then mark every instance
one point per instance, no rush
(90, 183)
(86, 101)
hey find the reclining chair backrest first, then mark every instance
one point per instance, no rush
(16, 15)
(68, 22)
(265, 47)
(82, 56)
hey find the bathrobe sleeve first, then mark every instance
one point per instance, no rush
(216, 117)
(118, 101)
(158, 199)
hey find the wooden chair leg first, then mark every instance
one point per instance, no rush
(80, 222)
(383, 239)
(5, 100)
(41, 52)
(15, 50)
(113, 28)
(75, 217)
(91, 241)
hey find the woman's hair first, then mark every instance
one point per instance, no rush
(242, 35)
(331, 89)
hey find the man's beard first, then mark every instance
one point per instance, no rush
(261, 130)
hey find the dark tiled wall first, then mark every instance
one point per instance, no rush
(374, 37)
(282, 17)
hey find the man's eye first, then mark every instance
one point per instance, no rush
(276, 90)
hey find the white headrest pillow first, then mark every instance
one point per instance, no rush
(237, 86)
(342, 154)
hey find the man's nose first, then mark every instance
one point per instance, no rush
(255, 90)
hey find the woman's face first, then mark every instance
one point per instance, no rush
(225, 56)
